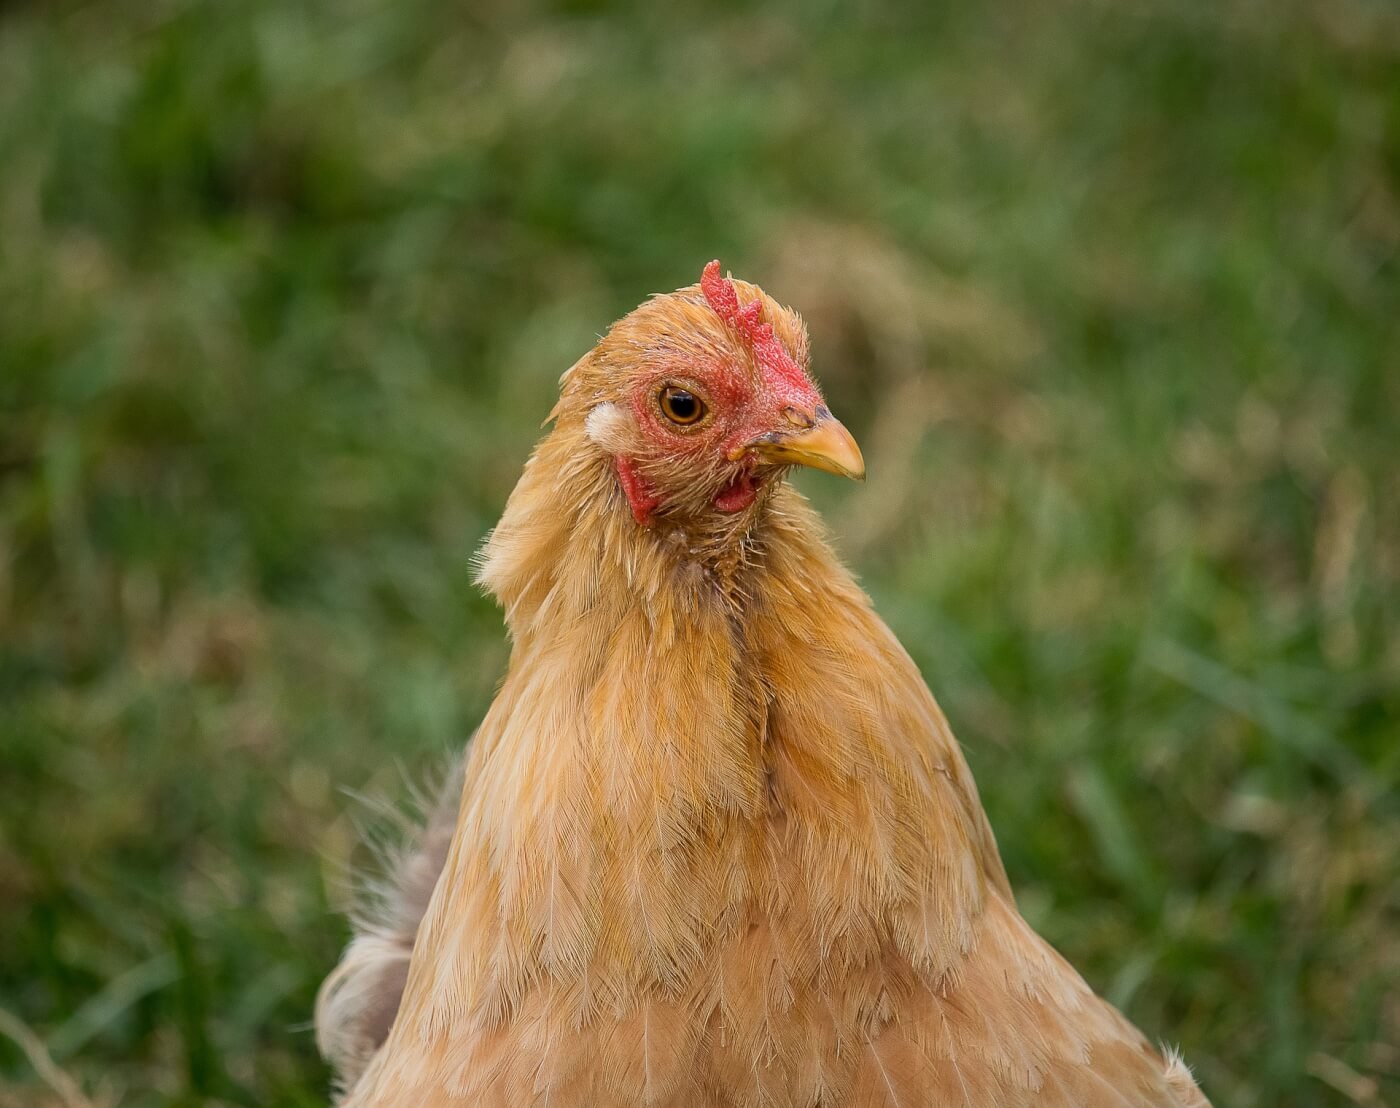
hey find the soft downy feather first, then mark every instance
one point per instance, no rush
(357, 1003)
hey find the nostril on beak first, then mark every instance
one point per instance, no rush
(799, 418)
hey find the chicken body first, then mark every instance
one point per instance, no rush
(716, 845)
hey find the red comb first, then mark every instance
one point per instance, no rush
(770, 354)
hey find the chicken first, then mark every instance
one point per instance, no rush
(716, 846)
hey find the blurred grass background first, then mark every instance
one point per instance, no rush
(1109, 292)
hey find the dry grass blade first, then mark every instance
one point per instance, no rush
(48, 1071)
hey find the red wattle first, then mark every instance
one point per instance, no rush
(738, 495)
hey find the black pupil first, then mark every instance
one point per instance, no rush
(682, 405)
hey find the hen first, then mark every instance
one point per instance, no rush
(715, 846)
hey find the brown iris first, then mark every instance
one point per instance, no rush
(681, 405)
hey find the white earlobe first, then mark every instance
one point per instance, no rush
(608, 426)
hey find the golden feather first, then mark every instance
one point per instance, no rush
(716, 844)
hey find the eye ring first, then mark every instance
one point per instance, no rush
(681, 406)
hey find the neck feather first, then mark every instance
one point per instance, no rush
(680, 750)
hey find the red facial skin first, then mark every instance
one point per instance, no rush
(735, 417)
(640, 498)
(738, 409)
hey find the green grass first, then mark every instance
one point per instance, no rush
(1109, 292)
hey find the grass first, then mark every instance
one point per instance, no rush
(1108, 291)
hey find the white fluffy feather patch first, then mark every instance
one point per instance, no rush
(608, 426)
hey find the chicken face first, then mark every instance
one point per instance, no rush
(704, 402)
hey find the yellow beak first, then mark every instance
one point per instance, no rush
(825, 445)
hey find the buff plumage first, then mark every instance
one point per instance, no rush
(716, 846)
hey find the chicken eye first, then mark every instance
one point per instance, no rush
(681, 405)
